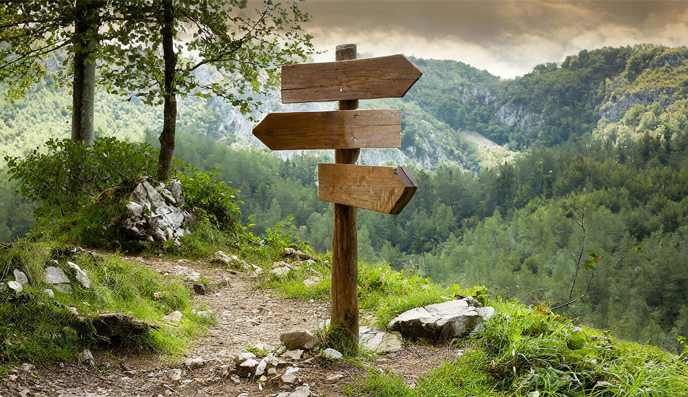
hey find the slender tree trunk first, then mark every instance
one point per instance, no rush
(83, 90)
(169, 126)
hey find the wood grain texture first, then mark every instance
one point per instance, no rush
(347, 129)
(345, 239)
(381, 189)
(384, 77)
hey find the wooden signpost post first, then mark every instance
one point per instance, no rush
(348, 186)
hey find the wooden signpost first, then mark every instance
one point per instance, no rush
(348, 186)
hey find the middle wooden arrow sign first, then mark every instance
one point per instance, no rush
(343, 129)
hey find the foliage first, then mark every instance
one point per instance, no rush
(117, 285)
(70, 175)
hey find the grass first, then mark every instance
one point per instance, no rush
(38, 329)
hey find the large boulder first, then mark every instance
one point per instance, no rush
(153, 213)
(441, 321)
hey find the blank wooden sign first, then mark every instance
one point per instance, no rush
(383, 77)
(344, 129)
(381, 189)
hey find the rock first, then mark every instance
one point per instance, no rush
(199, 289)
(153, 214)
(272, 371)
(260, 369)
(134, 210)
(20, 277)
(81, 275)
(205, 314)
(15, 286)
(281, 350)
(332, 354)
(289, 376)
(73, 311)
(448, 320)
(257, 269)
(87, 357)
(26, 367)
(301, 391)
(55, 275)
(114, 327)
(64, 288)
(174, 317)
(247, 367)
(299, 339)
(334, 378)
(221, 257)
(295, 254)
(194, 363)
(175, 374)
(175, 188)
(311, 281)
(49, 292)
(380, 342)
(280, 270)
(240, 358)
(294, 354)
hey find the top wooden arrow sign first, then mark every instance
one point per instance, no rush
(372, 78)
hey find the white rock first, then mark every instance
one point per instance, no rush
(64, 288)
(55, 275)
(49, 292)
(72, 310)
(81, 275)
(294, 354)
(134, 209)
(334, 378)
(194, 363)
(240, 358)
(206, 314)
(272, 371)
(20, 277)
(380, 342)
(301, 391)
(288, 378)
(311, 281)
(175, 374)
(332, 354)
(260, 369)
(26, 367)
(173, 317)
(17, 287)
(87, 357)
(299, 339)
(280, 271)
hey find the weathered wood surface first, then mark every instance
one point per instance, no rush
(384, 77)
(348, 129)
(345, 239)
(381, 189)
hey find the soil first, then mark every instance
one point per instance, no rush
(245, 314)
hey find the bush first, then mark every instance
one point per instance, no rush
(69, 175)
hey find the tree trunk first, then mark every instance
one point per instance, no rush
(169, 126)
(83, 91)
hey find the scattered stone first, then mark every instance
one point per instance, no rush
(247, 367)
(49, 292)
(205, 314)
(175, 374)
(194, 363)
(15, 286)
(294, 354)
(240, 358)
(272, 371)
(289, 376)
(20, 277)
(281, 350)
(260, 369)
(299, 339)
(452, 319)
(64, 288)
(332, 354)
(221, 257)
(257, 269)
(380, 342)
(280, 271)
(55, 275)
(311, 281)
(235, 379)
(26, 367)
(154, 214)
(334, 378)
(174, 317)
(87, 357)
(72, 310)
(81, 275)
(295, 254)
(301, 391)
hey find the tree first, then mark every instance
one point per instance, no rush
(165, 48)
(33, 31)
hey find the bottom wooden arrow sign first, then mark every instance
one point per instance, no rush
(381, 189)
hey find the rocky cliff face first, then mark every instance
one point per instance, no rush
(519, 116)
(614, 110)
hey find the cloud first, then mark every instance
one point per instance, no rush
(506, 38)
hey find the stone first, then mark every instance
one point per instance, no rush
(199, 289)
(299, 339)
(311, 281)
(55, 275)
(26, 367)
(380, 342)
(288, 378)
(272, 371)
(20, 277)
(205, 314)
(153, 214)
(175, 374)
(194, 363)
(81, 275)
(257, 269)
(49, 292)
(281, 350)
(294, 354)
(134, 209)
(64, 288)
(174, 317)
(332, 354)
(72, 310)
(301, 391)
(87, 357)
(247, 367)
(240, 358)
(280, 271)
(15, 286)
(114, 327)
(334, 378)
(221, 257)
(441, 321)
(175, 188)
(260, 369)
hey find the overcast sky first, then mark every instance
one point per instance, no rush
(507, 38)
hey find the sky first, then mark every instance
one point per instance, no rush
(506, 38)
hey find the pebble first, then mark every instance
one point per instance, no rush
(175, 374)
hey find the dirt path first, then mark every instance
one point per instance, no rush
(244, 315)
